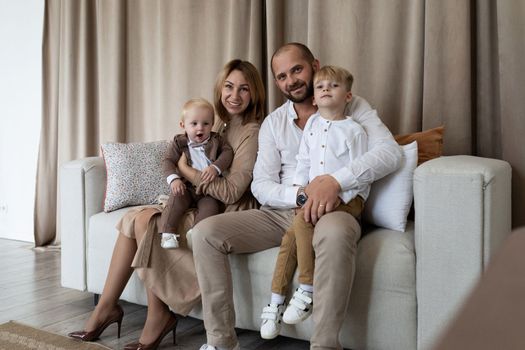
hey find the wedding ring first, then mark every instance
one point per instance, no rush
(321, 205)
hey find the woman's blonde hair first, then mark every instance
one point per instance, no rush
(197, 102)
(255, 110)
(335, 73)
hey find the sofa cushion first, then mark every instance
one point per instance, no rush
(390, 198)
(383, 305)
(382, 302)
(134, 173)
(101, 239)
(429, 143)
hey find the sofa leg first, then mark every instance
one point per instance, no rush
(95, 298)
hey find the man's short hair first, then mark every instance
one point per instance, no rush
(303, 49)
(335, 73)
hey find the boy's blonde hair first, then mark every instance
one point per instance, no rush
(335, 73)
(197, 102)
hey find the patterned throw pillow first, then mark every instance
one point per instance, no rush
(134, 173)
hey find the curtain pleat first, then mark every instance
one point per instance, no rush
(511, 72)
(487, 104)
(119, 71)
(46, 179)
(447, 70)
(112, 70)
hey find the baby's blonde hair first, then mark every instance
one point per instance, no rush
(335, 73)
(197, 102)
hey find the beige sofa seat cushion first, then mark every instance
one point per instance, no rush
(101, 239)
(383, 299)
(382, 304)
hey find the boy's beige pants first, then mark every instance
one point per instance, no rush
(297, 251)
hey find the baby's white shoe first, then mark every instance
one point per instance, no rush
(271, 321)
(169, 241)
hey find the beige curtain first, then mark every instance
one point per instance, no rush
(117, 70)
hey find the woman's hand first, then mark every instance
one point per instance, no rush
(186, 171)
(208, 174)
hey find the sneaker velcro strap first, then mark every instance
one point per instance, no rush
(270, 313)
(304, 298)
(269, 316)
(298, 304)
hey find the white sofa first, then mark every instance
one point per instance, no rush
(407, 285)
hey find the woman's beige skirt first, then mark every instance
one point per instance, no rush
(169, 273)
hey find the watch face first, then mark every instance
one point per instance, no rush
(301, 199)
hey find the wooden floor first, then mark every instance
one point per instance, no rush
(30, 293)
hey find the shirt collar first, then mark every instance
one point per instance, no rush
(291, 113)
(195, 144)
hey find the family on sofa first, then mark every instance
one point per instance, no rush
(342, 154)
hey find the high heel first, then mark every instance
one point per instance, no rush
(170, 326)
(116, 315)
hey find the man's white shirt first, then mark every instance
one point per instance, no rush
(279, 141)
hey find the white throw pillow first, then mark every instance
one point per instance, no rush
(134, 173)
(391, 197)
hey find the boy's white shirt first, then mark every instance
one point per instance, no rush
(326, 146)
(279, 141)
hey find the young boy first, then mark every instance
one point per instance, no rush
(206, 151)
(330, 140)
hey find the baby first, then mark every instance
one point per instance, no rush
(206, 151)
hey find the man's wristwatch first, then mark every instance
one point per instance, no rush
(302, 197)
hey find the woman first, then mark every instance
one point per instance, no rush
(169, 275)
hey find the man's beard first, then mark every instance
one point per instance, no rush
(309, 92)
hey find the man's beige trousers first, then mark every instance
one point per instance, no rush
(335, 244)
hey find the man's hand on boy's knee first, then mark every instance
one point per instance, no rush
(323, 197)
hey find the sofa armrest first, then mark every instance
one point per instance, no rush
(82, 185)
(463, 213)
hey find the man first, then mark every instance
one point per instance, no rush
(336, 233)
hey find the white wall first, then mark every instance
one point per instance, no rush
(21, 30)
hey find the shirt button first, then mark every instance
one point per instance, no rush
(322, 146)
(321, 162)
(325, 130)
(311, 134)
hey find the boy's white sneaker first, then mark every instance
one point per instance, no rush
(211, 347)
(169, 241)
(272, 316)
(299, 308)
